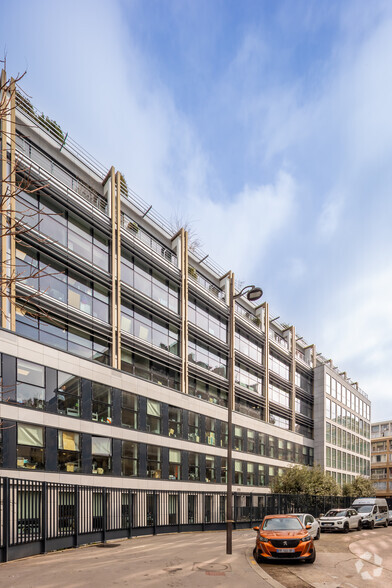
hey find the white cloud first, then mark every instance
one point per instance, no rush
(241, 232)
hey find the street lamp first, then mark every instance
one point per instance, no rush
(252, 293)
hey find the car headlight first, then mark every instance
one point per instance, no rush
(263, 539)
(307, 538)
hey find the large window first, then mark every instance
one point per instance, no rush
(304, 407)
(174, 464)
(224, 434)
(279, 421)
(208, 392)
(279, 367)
(193, 466)
(250, 474)
(145, 368)
(68, 455)
(149, 328)
(207, 319)
(129, 410)
(30, 449)
(175, 422)
(149, 281)
(238, 473)
(279, 396)
(238, 442)
(210, 431)
(193, 427)
(248, 378)
(210, 468)
(101, 403)
(129, 458)
(250, 441)
(223, 476)
(154, 467)
(68, 394)
(249, 346)
(61, 334)
(66, 229)
(101, 450)
(153, 416)
(30, 384)
(207, 357)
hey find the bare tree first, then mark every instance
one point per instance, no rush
(18, 217)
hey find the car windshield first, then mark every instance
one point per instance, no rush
(300, 516)
(336, 513)
(364, 508)
(281, 524)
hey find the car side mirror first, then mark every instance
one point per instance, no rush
(255, 528)
(308, 526)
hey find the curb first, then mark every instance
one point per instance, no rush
(256, 568)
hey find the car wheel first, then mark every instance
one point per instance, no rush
(312, 558)
(317, 534)
(256, 555)
(346, 528)
(386, 524)
(372, 525)
(359, 528)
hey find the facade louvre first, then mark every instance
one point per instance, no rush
(116, 374)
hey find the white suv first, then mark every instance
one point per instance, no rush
(341, 519)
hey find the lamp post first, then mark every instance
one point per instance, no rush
(252, 293)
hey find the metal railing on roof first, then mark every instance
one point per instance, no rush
(137, 232)
(49, 165)
(55, 131)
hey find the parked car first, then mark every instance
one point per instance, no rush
(390, 517)
(374, 511)
(341, 519)
(308, 519)
(284, 537)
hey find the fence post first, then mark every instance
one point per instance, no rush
(6, 516)
(203, 519)
(251, 510)
(76, 516)
(44, 515)
(179, 512)
(104, 512)
(155, 511)
(130, 514)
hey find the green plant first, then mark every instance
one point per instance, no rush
(192, 272)
(123, 184)
(133, 226)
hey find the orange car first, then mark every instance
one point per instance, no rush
(284, 537)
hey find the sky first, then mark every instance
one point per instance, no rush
(264, 125)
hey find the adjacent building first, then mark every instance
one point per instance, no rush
(114, 344)
(382, 459)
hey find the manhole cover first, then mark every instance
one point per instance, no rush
(107, 545)
(212, 567)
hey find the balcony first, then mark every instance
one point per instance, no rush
(136, 232)
(69, 182)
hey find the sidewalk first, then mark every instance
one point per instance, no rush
(194, 560)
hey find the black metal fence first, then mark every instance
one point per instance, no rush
(36, 517)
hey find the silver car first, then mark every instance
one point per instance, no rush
(341, 519)
(308, 519)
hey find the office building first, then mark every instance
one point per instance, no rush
(116, 373)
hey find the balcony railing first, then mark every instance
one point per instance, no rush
(206, 283)
(68, 180)
(252, 318)
(279, 340)
(134, 230)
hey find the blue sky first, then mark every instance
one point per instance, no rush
(265, 124)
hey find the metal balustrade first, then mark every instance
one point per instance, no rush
(36, 517)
